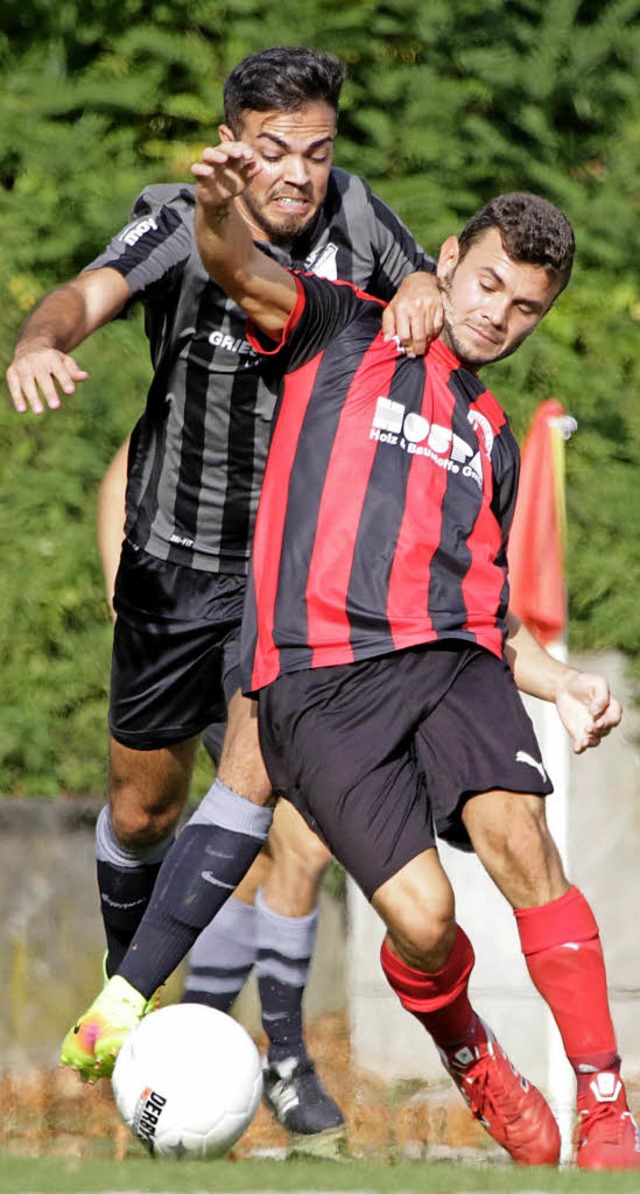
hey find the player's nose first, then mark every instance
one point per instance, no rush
(297, 170)
(498, 311)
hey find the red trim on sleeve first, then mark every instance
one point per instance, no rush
(256, 337)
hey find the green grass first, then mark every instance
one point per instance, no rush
(49, 1175)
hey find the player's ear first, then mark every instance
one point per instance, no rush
(448, 258)
(225, 134)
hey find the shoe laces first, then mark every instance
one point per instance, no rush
(604, 1122)
(287, 1072)
(486, 1092)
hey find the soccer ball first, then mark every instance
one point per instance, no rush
(188, 1081)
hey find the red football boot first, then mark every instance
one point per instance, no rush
(607, 1134)
(510, 1108)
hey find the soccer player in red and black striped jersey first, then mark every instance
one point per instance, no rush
(376, 628)
(387, 704)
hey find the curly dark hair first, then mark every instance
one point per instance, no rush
(532, 230)
(282, 78)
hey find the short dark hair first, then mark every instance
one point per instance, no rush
(532, 230)
(282, 78)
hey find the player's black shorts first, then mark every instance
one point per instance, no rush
(381, 755)
(175, 651)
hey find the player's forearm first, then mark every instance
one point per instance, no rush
(535, 671)
(69, 314)
(58, 322)
(225, 246)
(265, 291)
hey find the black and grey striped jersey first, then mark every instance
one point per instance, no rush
(198, 452)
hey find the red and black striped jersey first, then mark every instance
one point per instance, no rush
(387, 498)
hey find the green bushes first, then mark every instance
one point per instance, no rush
(446, 104)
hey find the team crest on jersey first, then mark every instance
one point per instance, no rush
(323, 262)
(483, 430)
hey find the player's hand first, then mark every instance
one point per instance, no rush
(587, 709)
(35, 373)
(414, 316)
(223, 172)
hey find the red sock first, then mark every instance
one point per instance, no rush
(561, 945)
(439, 1001)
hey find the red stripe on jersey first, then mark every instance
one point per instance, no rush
(482, 586)
(268, 345)
(272, 512)
(343, 495)
(420, 531)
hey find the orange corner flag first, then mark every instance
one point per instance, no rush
(537, 540)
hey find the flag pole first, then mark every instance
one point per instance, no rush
(561, 1078)
(539, 599)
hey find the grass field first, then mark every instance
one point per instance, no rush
(58, 1136)
(49, 1175)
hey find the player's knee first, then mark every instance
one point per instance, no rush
(138, 824)
(318, 857)
(148, 791)
(424, 942)
(306, 858)
(299, 856)
(296, 880)
(417, 905)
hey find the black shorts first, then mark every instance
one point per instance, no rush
(380, 756)
(175, 661)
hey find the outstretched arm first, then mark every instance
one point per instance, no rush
(266, 292)
(586, 707)
(41, 365)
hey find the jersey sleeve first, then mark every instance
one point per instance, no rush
(396, 253)
(154, 246)
(322, 310)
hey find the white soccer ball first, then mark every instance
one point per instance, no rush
(188, 1081)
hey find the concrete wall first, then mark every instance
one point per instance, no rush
(51, 937)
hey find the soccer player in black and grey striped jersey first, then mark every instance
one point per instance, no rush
(195, 469)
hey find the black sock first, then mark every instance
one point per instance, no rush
(124, 897)
(125, 882)
(203, 868)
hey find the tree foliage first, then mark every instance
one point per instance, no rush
(446, 104)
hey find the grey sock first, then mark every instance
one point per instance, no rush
(222, 957)
(285, 948)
